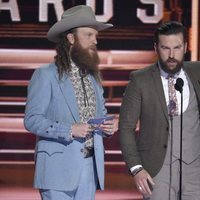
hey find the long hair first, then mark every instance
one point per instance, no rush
(62, 58)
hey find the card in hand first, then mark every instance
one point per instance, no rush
(99, 121)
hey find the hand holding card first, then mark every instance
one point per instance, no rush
(108, 124)
(98, 121)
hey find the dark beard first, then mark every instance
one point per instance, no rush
(169, 71)
(84, 60)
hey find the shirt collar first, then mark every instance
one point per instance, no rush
(74, 67)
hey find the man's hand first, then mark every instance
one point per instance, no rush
(144, 183)
(109, 126)
(81, 130)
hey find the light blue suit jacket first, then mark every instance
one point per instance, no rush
(51, 109)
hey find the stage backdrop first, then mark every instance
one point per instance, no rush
(24, 24)
(126, 47)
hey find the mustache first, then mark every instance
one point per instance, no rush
(172, 60)
(93, 48)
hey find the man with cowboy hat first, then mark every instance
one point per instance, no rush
(62, 97)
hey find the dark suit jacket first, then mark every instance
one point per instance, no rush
(144, 100)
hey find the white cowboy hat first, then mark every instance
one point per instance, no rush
(77, 16)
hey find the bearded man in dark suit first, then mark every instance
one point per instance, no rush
(153, 155)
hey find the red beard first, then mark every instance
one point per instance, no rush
(86, 59)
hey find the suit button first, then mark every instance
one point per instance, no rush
(165, 146)
(167, 128)
(82, 150)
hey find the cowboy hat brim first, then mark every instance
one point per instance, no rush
(67, 24)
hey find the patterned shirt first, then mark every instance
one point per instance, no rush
(86, 100)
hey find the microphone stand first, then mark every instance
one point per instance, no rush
(181, 147)
(171, 152)
(179, 87)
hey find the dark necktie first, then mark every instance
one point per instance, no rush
(173, 103)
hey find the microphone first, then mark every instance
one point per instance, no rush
(179, 84)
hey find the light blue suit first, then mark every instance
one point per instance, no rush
(50, 111)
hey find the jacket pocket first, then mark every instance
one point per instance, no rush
(50, 147)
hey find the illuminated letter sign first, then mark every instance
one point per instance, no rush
(107, 9)
(43, 12)
(13, 7)
(158, 12)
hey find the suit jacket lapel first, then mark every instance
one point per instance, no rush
(193, 79)
(97, 96)
(69, 95)
(159, 88)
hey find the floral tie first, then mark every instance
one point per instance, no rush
(173, 103)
